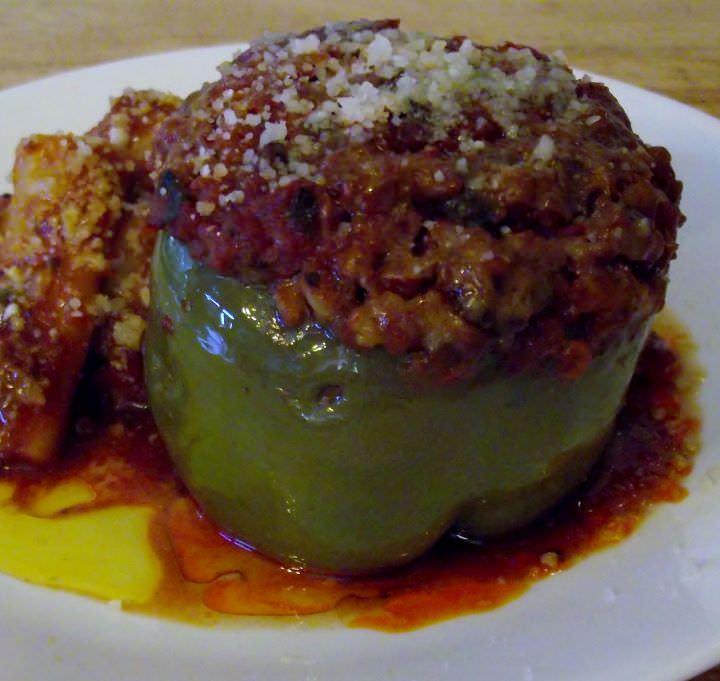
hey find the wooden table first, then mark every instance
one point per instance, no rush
(668, 46)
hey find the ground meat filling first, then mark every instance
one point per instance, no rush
(441, 199)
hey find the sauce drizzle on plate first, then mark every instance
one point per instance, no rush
(123, 465)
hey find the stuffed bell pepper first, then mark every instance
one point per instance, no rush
(400, 291)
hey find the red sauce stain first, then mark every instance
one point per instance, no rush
(651, 452)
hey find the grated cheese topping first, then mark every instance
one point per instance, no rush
(344, 83)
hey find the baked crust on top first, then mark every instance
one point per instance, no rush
(438, 198)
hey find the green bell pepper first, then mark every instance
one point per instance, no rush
(324, 457)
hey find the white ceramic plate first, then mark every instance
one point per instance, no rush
(648, 609)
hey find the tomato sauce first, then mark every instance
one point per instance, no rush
(204, 573)
(517, 215)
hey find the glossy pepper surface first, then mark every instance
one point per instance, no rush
(324, 457)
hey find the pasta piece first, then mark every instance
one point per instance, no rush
(58, 228)
(128, 130)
